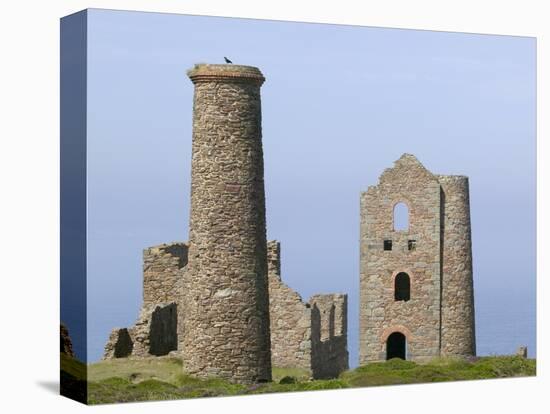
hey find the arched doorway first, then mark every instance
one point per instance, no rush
(396, 346)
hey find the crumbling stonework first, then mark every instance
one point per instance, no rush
(163, 268)
(162, 311)
(311, 336)
(290, 319)
(154, 334)
(119, 345)
(329, 354)
(65, 340)
(522, 351)
(212, 301)
(416, 284)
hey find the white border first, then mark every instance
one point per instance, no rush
(29, 171)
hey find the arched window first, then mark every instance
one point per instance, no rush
(400, 217)
(396, 346)
(402, 287)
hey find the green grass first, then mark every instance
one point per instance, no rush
(162, 378)
(397, 371)
(314, 385)
(73, 376)
(123, 390)
(73, 367)
(299, 374)
(125, 380)
(164, 369)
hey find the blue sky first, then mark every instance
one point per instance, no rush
(340, 104)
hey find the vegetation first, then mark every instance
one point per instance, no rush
(397, 371)
(163, 369)
(124, 380)
(73, 378)
(73, 367)
(299, 374)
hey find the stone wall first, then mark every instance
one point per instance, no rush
(329, 356)
(119, 345)
(226, 323)
(154, 334)
(290, 319)
(164, 268)
(435, 247)
(314, 341)
(311, 336)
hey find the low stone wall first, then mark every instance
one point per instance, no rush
(154, 334)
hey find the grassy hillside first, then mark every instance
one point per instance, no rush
(72, 382)
(124, 380)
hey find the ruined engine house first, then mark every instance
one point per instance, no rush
(416, 282)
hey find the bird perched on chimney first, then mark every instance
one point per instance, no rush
(227, 60)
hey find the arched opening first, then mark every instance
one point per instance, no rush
(163, 330)
(396, 346)
(400, 217)
(402, 288)
(124, 344)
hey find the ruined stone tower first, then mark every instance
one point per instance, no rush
(218, 301)
(416, 281)
(226, 324)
